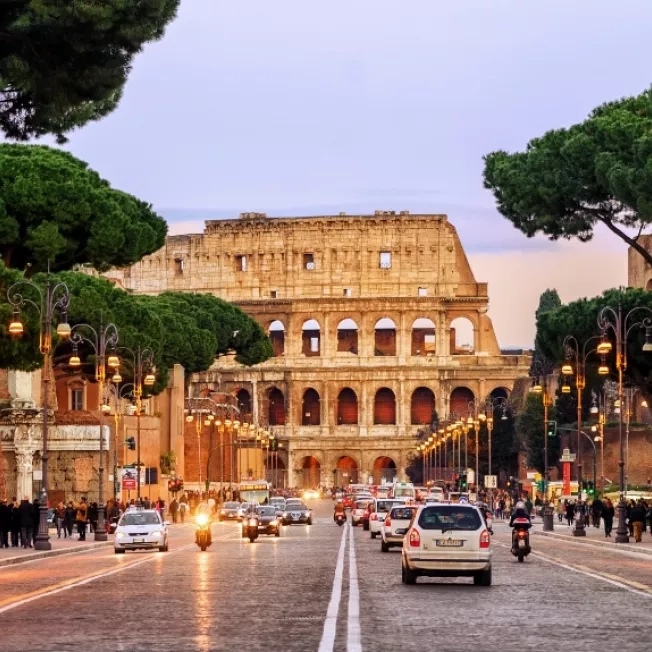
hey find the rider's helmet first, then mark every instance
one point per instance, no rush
(520, 505)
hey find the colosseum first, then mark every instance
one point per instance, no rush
(377, 324)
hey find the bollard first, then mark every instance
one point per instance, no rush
(548, 518)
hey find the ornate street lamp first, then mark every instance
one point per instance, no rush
(613, 319)
(55, 299)
(106, 337)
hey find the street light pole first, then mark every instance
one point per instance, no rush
(612, 319)
(55, 299)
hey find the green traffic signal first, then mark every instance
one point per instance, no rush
(551, 428)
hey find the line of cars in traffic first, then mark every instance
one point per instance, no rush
(437, 537)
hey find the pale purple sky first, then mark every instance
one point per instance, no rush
(295, 107)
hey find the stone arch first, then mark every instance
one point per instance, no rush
(384, 470)
(347, 336)
(459, 402)
(385, 407)
(499, 392)
(310, 408)
(311, 472)
(346, 471)
(243, 399)
(276, 332)
(276, 408)
(385, 337)
(462, 334)
(347, 408)
(422, 408)
(311, 338)
(423, 336)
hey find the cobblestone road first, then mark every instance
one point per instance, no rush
(311, 590)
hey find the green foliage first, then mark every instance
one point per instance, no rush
(579, 318)
(504, 446)
(549, 300)
(531, 427)
(63, 64)
(53, 207)
(569, 180)
(186, 329)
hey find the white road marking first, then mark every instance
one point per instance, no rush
(327, 642)
(353, 642)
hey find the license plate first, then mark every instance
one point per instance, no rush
(400, 531)
(521, 543)
(139, 540)
(449, 543)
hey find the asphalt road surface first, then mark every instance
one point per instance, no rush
(323, 588)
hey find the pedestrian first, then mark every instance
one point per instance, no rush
(559, 508)
(26, 519)
(36, 519)
(649, 517)
(570, 512)
(608, 513)
(183, 507)
(69, 518)
(93, 516)
(174, 508)
(60, 516)
(15, 523)
(630, 525)
(80, 518)
(5, 523)
(596, 508)
(637, 519)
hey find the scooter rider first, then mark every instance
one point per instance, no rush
(204, 509)
(520, 511)
(339, 509)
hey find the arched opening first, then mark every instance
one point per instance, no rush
(346, 471)
(423, 406)
(277, 337)
(459, 402)
(385, 337)
(311, 472)
(384, 407)
(276, 412)
(243, 399)
(462, 336)
(347, 337)
(347, 407)
(310, 408)
(384, 470)
(310, 338)
(500, 392)
(423, 337)
(275, 470)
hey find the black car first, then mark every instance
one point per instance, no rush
(297, 514)
(229, 512)
(268, 521)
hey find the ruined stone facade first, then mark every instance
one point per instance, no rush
(365, 314)
(639, 272)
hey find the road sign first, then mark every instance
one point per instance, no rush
(490, 481)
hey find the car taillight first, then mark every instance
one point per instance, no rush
(415, 538)
(374, 517)
(388, 522)
(484, 539)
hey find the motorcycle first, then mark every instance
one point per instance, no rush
(340, 519)
(203, 531)
(521, 538)
(252, 529)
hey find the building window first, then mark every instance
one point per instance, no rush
(423, 292)
(309, 261)
(77, 399)
(273, 294)
(241, 263)
(385, 260)
(178, 265)
(347, 292)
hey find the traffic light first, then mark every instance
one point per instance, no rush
(131, 443)
(463, 482)
(591, 488)
(551, 427)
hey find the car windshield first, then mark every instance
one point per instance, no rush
(298, 506)
(384, 505)
(362, 504)
(231, 505)
(449, 517)
(140, 518)
(267, 511)
(402, 513)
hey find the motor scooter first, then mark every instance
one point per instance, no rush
(203, 536)
(340, 518)
(521, 538)
(252, 529)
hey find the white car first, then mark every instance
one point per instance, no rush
(377, 516)
(395, 526)
(447, 541)
(358, 510)
(141, 529)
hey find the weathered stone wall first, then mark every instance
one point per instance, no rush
(639, 272)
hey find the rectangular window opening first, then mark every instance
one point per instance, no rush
(385, 260)
(77, 399)
(309, 261)
(241, 263)
(178, 265)
(423, 292)
(273, 294)
(347, 292)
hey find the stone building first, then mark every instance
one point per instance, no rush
(639, 272)
(377, 322)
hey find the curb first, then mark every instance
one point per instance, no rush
(13, 561)
(625, 547)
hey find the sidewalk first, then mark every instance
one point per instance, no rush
(10, 556)
(596, 537)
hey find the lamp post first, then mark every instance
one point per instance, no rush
(580, 355)
(613, 319)
(55, 298)
(599, 409)
(105, 337)
(142, 364)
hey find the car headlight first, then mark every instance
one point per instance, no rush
(120, 535)
(156, 533)
(274, 522)
(285, 514)
(222, 511)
